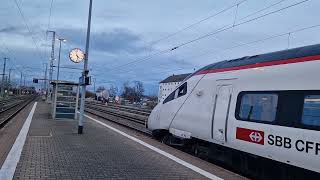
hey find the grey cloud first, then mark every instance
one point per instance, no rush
(116, 41)
(13, 30)
(8, 29)
(23, 31)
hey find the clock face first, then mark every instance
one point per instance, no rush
(76, 55)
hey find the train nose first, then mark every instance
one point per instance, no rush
(153, 119)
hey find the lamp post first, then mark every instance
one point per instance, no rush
(85, 72)
(58, 71)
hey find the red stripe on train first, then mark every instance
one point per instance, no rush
(263, 64)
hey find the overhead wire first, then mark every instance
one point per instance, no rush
(181, 30)
(198, 22)
(12, 62)
(238, 24)
(260, 10)
(261, 40)
(225, 28)
(254, 13)
(10, 55)
(28, 28)
(251, 42)
(267, 38)
(224, 10)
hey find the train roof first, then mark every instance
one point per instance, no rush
(311, 50)
(175, 78)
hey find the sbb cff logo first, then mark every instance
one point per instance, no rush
(250, 135)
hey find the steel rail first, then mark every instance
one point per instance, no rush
(11, 111)
(127, 119)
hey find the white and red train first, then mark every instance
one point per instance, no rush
(257, 114)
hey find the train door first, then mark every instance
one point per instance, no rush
(221, 111)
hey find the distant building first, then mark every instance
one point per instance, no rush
(170, 84)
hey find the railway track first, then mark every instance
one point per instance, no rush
(135, 110)
(131, 117)
(12, 106)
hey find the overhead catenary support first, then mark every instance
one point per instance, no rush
(46, 80)
(85, 72)
(51, 62)
(94, 85)
(20, 83)
(3, 76)
(9, 80)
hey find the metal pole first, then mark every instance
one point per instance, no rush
(9, 81)
(94, 85)
(51, 63)
(85, 72)
(77, 102)
(45, 80)
(20, 83)
(57, 83)
(3, 76)
(58, 71)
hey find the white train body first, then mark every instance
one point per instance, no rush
(260, 108)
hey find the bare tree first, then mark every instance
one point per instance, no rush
(134, 93)
(139, 90)
(126, 90)
(113, 91)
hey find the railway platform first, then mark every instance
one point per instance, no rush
(52, 149)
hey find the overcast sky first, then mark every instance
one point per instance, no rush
(125, 31)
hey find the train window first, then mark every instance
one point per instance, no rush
(169, 98)
(258, 107)
(182, 90)
(311, 110)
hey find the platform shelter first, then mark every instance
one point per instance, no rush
(65, 99)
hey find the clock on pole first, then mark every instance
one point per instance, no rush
(76, 55)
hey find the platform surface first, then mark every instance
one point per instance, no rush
(54, 150)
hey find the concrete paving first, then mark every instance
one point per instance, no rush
(54, 150)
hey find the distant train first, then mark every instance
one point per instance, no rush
(259, 115)
(102, 95)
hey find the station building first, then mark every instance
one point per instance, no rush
(169, 84)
